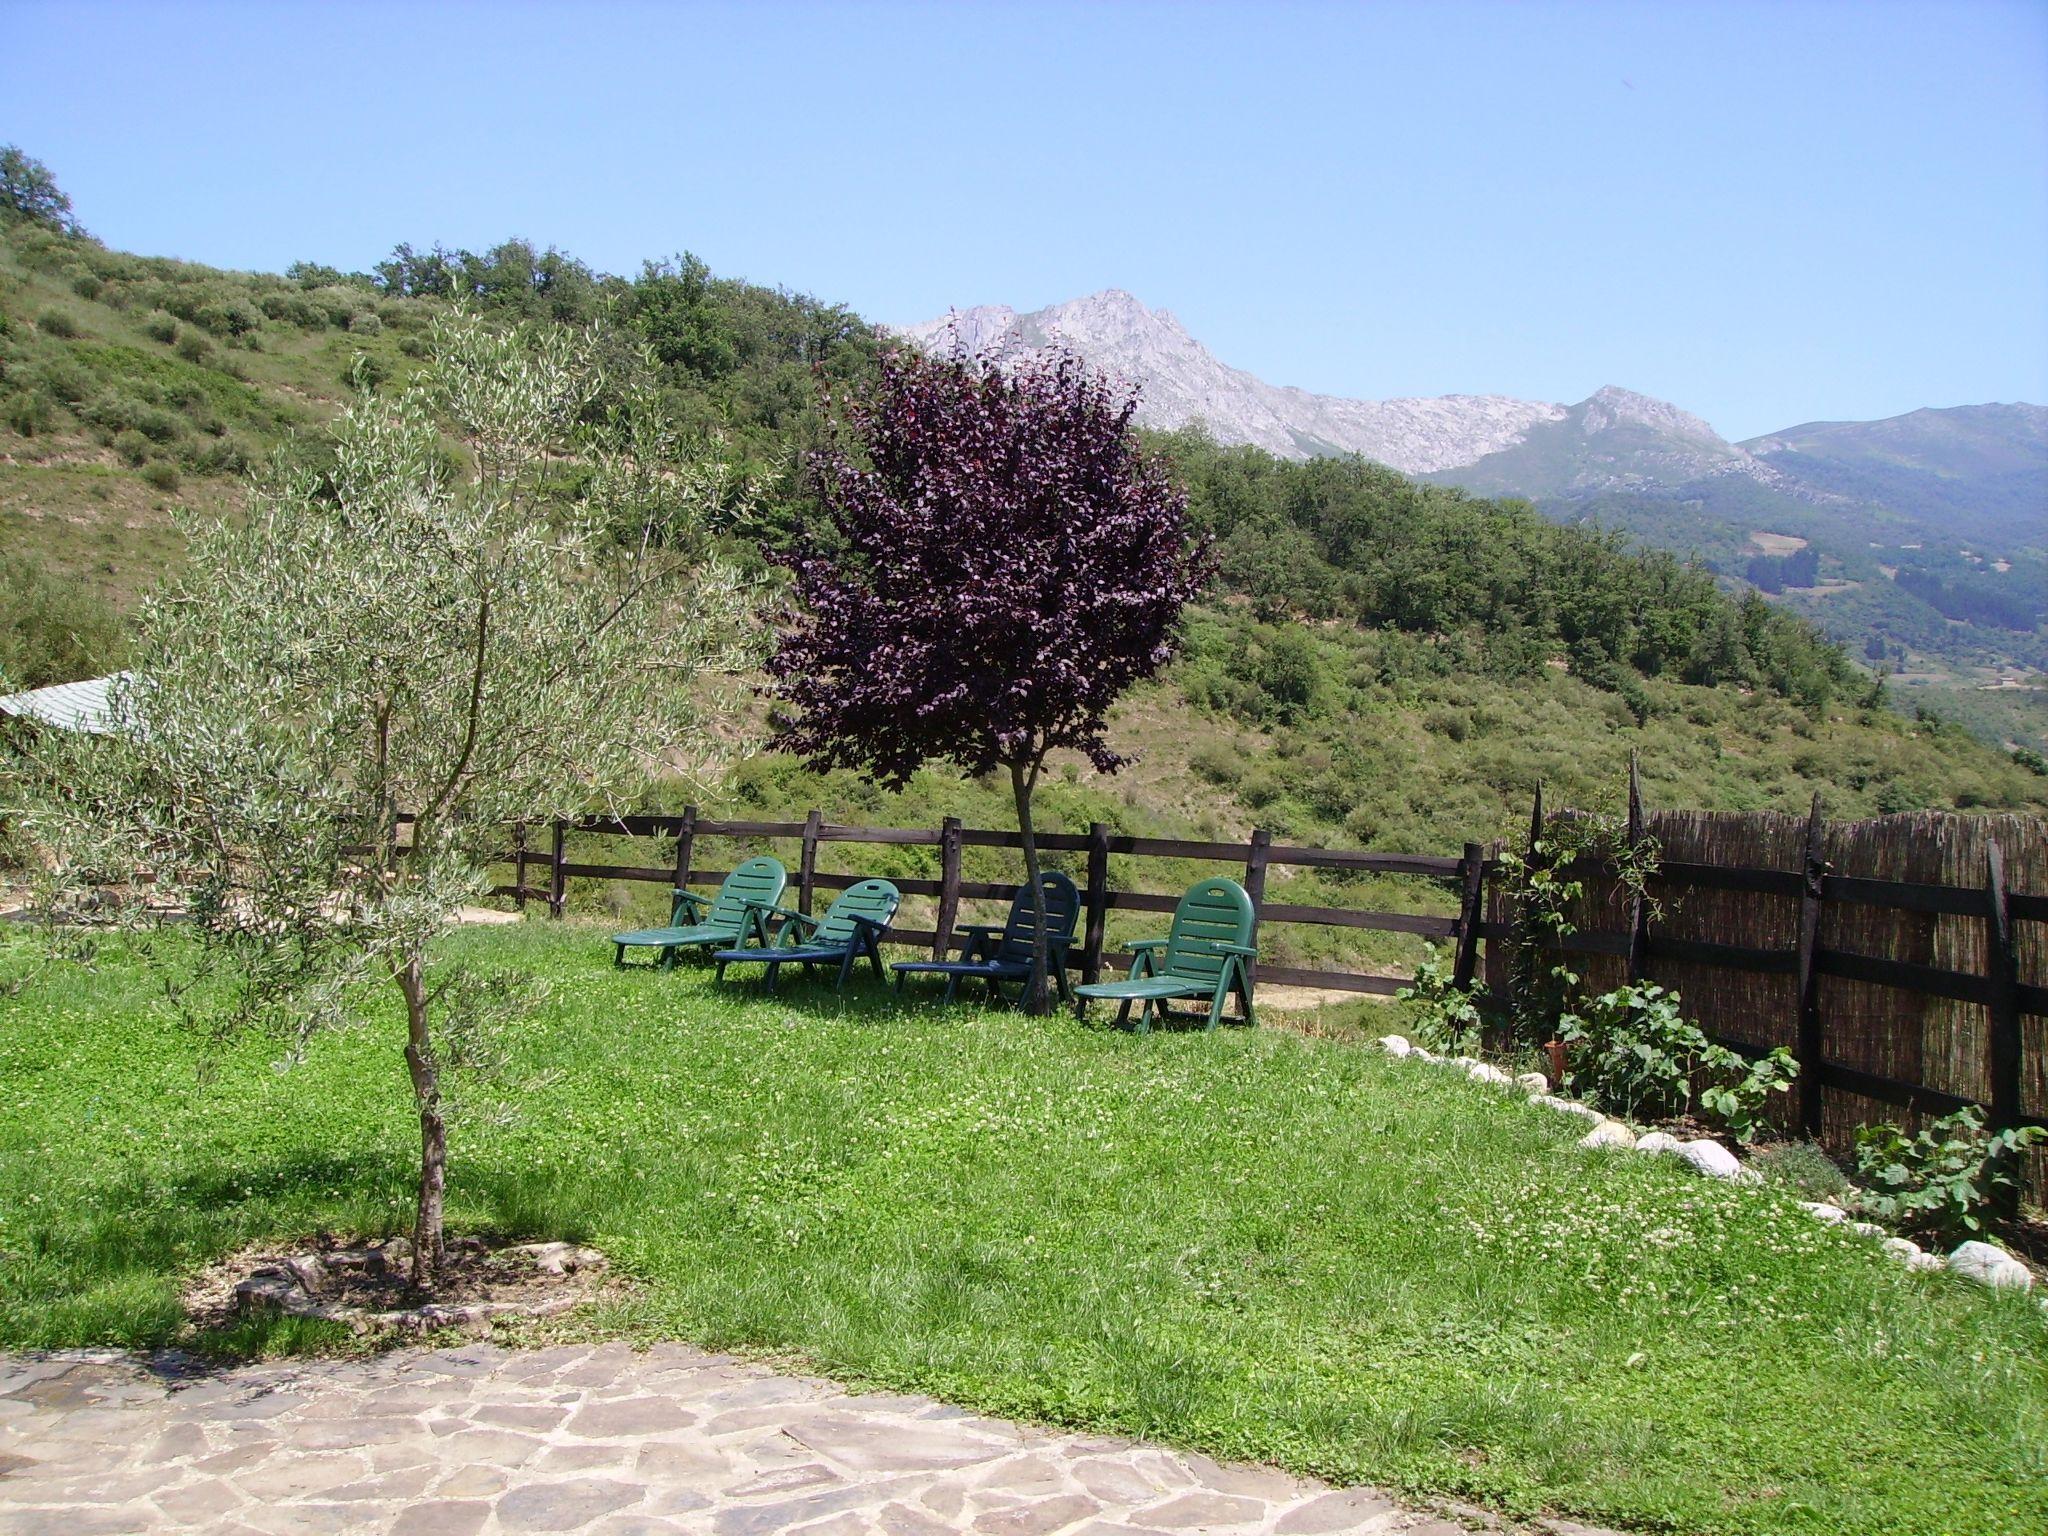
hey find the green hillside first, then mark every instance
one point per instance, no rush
(1384, 662)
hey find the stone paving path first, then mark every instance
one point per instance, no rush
(601, 1440)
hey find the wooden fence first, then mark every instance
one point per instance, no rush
(1252, 860)
(1903, 961)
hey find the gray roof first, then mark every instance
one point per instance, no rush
(67, 706)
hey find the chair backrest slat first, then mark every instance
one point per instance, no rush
(1212, 912)
(1062, 910)
(760, 880)
(875, 900)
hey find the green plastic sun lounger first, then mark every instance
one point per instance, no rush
(852, 927)
(996, 955)
(1207, 954)
(737, 914)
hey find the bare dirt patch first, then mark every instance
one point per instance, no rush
(1777, 543)
(368, 1287)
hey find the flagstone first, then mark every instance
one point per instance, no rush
(473, 1440)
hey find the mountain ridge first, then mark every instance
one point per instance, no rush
(1615, 440)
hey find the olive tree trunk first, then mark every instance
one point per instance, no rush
(428, 1239)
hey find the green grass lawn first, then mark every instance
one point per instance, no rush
(1264, 1246)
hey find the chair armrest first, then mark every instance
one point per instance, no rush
(793, 923)
(696, 902)
(1248, 951)
(879, 928)
(979, 930)
(1146, 946)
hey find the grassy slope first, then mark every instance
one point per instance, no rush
(67, 496)
(1251, 1243)
(1422, 763)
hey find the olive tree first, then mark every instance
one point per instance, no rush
(496, 602)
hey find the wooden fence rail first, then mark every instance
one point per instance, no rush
(1767, 951)
(1253, 858)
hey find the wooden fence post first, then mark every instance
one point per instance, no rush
(519, 866)
(2005, 997)
(558, 882)
(807, 865)
(1638, 904)
(686, 846)
(1470, 907)
(949, 886)
(1255, 887)
(1098, 902)
(1810, 1046)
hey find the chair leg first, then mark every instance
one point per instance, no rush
(771, 968)
(1123, 1014)
(1216, 1003)
(619, 955)
(1244, 1000)
(720, 976)
(845, 970)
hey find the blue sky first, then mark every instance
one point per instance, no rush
(1768, 213)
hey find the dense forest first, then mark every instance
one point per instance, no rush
(1508, 647)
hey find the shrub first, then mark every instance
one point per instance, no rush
(226, 317)
(1945, 1181)
(162, 474)
(1803, 1167)
(161, 327)
(64, 380)
(221, 456)
(131, 445)
(1638, 1055)
(29, 411)
(87, 285)
(366, 371)
(1445, 1015)
(124, 413)
(53, 629)
(194, 348)
(364, 322)
(292, 309)
(54, 322)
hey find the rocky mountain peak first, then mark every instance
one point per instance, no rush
(1181, 382)
(1611, 406)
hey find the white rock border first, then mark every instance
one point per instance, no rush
(1985, 1263)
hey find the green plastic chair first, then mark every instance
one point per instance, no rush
(739, 913)
(852, 927)
(997, 955)
(1206, 954)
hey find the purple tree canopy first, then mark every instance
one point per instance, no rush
(999, 562)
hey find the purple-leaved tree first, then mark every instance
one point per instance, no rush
(998, 562)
